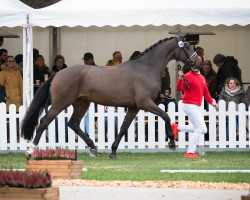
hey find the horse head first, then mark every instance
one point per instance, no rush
(184, 52)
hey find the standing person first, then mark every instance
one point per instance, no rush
(117, 59)
(11, 79)
(194, 86)
(200, 52)
(59, 64)
(3, 56)
(232, 91)
(88, 59)
(228, 67)
(19, 62)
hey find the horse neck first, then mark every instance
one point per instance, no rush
(158, 57)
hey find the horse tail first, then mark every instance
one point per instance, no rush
(35, 109)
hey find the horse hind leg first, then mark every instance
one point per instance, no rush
(80, 108)
(44, 123)
(153, 108)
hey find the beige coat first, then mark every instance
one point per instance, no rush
(11, 79)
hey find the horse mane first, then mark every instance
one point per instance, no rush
(151, 47)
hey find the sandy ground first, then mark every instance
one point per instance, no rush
(154, 184)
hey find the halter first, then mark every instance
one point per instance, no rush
(189, 58)
(181, 45)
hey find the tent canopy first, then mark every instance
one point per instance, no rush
(140, 12)
(13, 13)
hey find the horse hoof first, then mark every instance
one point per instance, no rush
(27, 155)
(171, 146)
(93, 152)
(112, 157)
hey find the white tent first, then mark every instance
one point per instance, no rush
(15, 13)
(140, 12)
(112, 13)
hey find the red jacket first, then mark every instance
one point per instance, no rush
(194, 90)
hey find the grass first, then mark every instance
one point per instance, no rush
(147, 166)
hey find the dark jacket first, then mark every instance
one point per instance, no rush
(55, 70)
(247, 97)
(211, 79)
(229, 68)
(40, 75)
(2, 94)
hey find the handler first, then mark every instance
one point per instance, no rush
(194, 86)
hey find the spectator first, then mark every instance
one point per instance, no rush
(88, 59)
(117, 59)
(232, 91)
(210, 75)
(41, 72)
(164, 93)
(134, 55)
(35, 54)
(200, 52)
(194, 88)
(3, 56)
(19, 62)
(11, 79)
(228, 67)
(247, 98)
(59, 64)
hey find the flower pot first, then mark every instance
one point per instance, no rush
(11, 193)
(65, 169)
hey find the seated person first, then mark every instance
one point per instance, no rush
(117, 59)
(59, 64)
(164, 93)
(232, 91)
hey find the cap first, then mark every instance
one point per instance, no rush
(88, 56)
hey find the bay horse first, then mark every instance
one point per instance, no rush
(134, 84)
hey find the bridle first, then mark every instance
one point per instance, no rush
(181, 45)
(191, 63)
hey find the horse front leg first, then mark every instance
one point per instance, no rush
(153, 108)
(132, 112)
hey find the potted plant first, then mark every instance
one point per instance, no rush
(16, 185)
(61, 163)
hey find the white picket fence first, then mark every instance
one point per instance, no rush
(136, 139)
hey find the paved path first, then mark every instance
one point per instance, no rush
(132, 193)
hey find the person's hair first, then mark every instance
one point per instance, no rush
(134, 55)
(3, 50)
(35, 54)
(232, 78)
(207, 62)
(199, 48)
(10, 56)
(88, 56)
(19, 58)
(218, 58)
(39, 56)
(59, 57)
(116, 53)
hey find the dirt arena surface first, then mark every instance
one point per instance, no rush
(154, 184)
